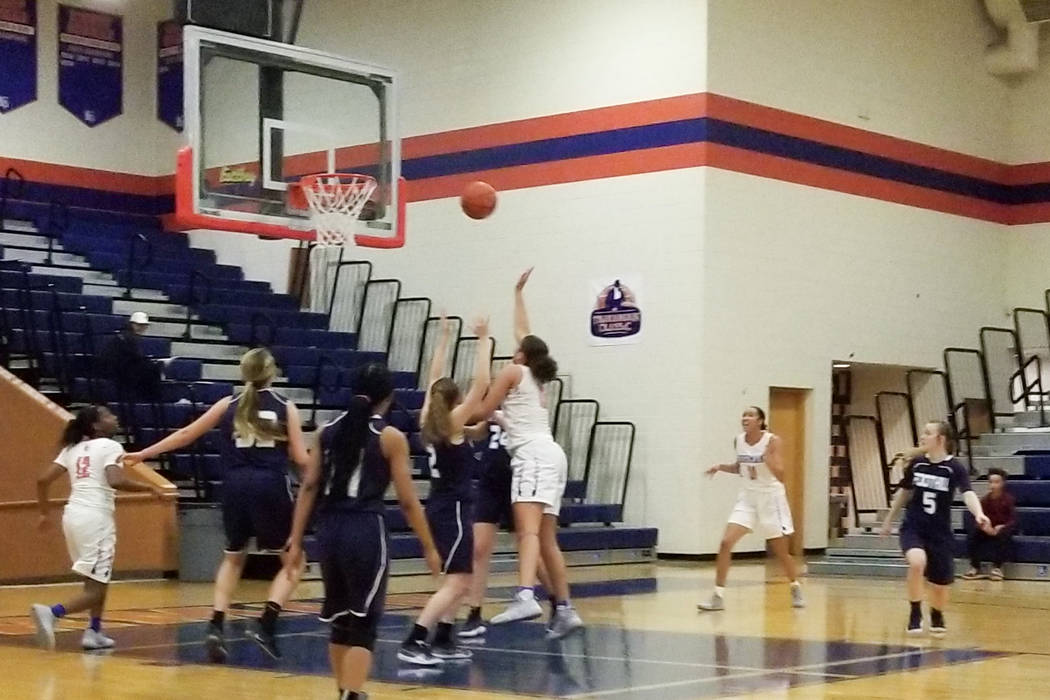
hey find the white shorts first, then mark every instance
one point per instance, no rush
(764, 512)
(91, 538)
(540, 471)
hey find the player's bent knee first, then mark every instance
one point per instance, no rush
(350, 631)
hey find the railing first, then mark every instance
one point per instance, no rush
(572, 430)
(192, 299)
(254, 339)
(610, 452)
(869, 476)
(376, 322)
(407, 333)
(323, 360)
(137, 241)
(430, 340)
(1001, 360)
(59, 347)
(960, 397)
(57, 223)
(13, 186)
(1026, 344)
(346, 299)
(1027, 389)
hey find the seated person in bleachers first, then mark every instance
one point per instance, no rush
(137, 376)
(994, 542)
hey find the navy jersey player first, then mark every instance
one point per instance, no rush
(259, 431)
(926, 491)
(357, 457)
(450, 506)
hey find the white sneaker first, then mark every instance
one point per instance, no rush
(523, 608)
(565, 621)
(45, 625)
(797, 601)
(93, 641)
(716, 603)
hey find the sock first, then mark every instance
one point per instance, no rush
(443, 635)
(58, 610)
(475, 615)
(562, 604)
(268, 621)
(796, 584)
(218, 618)
(916, 608)
(419, 633)
(526, 593)
(348, 695)
(554, 607)
(720, 591)
(936, 616)
(95, 624)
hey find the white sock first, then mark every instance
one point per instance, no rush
(796, 584)
(720, 591)
(526, 594)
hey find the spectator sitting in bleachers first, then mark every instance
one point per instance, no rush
(136, 376)
(995, 541)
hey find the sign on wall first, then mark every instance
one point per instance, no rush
(90, 64)
(616, 315)
(17, 53)
(169, 73)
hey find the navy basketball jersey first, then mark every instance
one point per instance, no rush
(932, 485)
(359, 487)
(492, 455)
(246, 451)
(451, 469)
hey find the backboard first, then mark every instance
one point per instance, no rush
(261, 114)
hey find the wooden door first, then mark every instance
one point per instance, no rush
(787, 418)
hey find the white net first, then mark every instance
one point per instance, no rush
(335, 201)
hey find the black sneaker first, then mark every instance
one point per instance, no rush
(474, 627)
(215, 644)
(937, 627)
(915, 624)
(266, 641)
(418, 653)
(450, 651)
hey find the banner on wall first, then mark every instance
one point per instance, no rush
(17, 53)
(169, 73)
(90, 64)
(616, 313)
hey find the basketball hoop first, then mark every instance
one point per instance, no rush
(335, 201)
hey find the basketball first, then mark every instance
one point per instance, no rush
(478, 200)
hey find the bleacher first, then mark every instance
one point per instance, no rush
(994, 397)
(65, 288)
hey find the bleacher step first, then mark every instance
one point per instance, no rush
(198, 331)
(93, 277)
(27, 240)
(206, 351)
(156, 309)
(866, 568)
(113, 291)
(39, 257)
(19, 226)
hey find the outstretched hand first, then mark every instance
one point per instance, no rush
(523, 279)
(481, 326)
(710, 473)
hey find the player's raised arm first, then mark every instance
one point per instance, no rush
(521, 316)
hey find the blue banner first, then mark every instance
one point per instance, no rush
(17, 53)
(90, 64)
(169, 73)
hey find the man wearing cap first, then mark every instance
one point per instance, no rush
(122, 360)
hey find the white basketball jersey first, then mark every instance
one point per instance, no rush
(751, 459)
(86, 463)
(525, 412)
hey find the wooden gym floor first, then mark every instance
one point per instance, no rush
(644, 639)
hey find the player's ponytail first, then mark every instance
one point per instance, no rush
(373, 386)
(437, 424)
(258, 369)
(538, 359)
(944, 429)
(81, 426)
(761, 416)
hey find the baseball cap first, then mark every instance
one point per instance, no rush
(140, 318)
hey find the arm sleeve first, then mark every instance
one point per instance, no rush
(113, 456)
(962, 477)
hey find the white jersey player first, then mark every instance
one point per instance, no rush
(93, 462)
(762, 505)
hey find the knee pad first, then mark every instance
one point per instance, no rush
(351, 631)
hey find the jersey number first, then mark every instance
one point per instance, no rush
(432, 460)
(83, 467)
(497, 438)
(929, 502)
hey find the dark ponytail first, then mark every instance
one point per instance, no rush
(761, 416)
(538, 359)
(81, 426)
(372, 386)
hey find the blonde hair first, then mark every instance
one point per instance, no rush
(258, 369)
(437, 424)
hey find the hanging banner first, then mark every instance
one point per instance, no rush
(90, 64)
(169, 73)
(615, 312)
(17, 53)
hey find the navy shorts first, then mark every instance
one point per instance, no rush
(353, 553)
(940, 559)
(451, 522)
(256, 503)
(492, 504)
